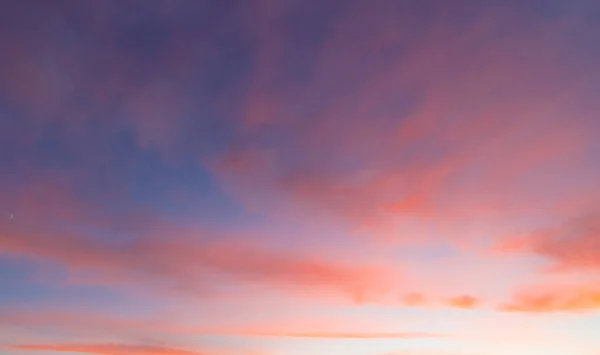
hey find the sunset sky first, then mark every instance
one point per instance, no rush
(300, 177)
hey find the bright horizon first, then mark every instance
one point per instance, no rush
(298, 177)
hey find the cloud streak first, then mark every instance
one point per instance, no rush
(106, 349)
(190, 263)
(342, 335)
(566, 298)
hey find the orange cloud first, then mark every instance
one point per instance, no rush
(572, 246)
(464, 301)
(578, 298)
(107, 349)
(420, 300)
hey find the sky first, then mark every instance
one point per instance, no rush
(298, 177)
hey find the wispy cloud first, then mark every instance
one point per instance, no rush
(192, 265)
(106, 349)
(558, 298)
(342, 335)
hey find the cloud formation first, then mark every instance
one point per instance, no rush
(404, 139)
(191, 264)
(572, 246)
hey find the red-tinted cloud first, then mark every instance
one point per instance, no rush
(575, 247)
(572, 246)
(445, 131)
(89, 322)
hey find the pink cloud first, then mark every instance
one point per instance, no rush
(415, 299)
(191, 264)
(106, 349)
(571, 246)
(343, 335)
(78, 324)
(446, 132)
